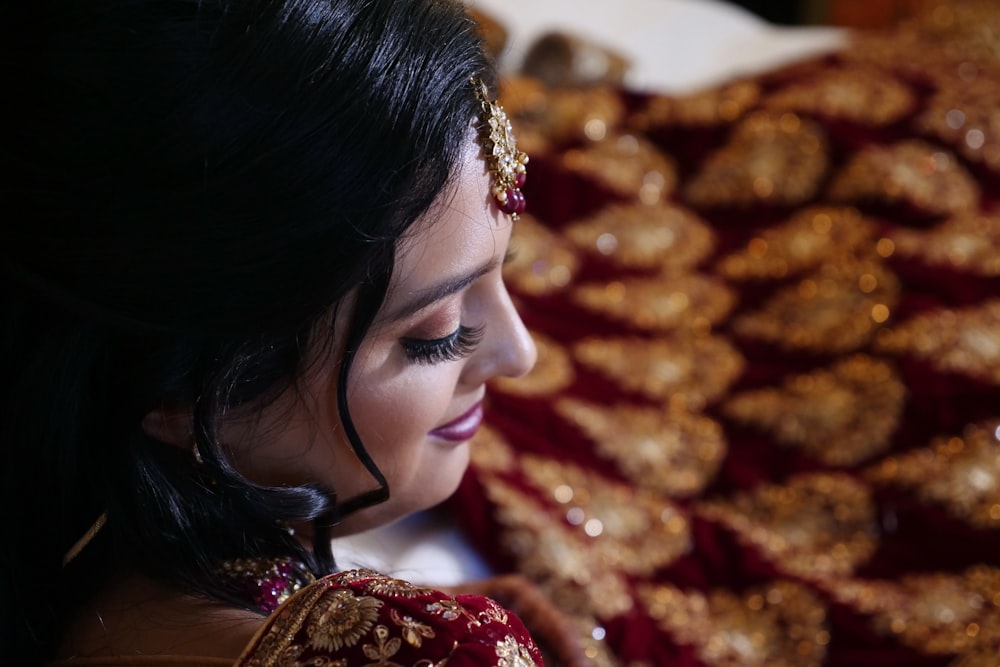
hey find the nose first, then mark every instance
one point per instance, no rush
(508, 349)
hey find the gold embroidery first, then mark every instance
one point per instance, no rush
(934, 613)
(963, 473)
(451, 609)
(490, 451)
(687, 370)
(962, 340)
(672, 451)
(383, 649)
(541, 262)
(840, 416)
(835, 309)
(661, 237)
(510, 653)
(722, 104)
(967, 242)
(782, 624)
(275, 646)
(814, 526)
(965, 115)
(562, 114)
(916, 172)
(553, 371)
(627, 165)
(395, 588)
(625, 529)
(808, 238)
(861, 94)
(414, 632)
(773, 158)
(340, 619)
(595, 531)
(493, 613)
(660, 304)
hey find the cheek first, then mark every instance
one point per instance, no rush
(394, 410)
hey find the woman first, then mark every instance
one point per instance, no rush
(252, 295)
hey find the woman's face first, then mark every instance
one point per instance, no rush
(417, 384)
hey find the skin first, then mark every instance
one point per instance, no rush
(448, 273)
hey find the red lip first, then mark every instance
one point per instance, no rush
(463, 427)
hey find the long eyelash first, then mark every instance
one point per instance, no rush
(452, 347)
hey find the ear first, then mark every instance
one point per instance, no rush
(170, 425)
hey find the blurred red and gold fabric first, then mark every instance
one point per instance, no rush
(763, 428)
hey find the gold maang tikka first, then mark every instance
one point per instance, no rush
(507, 165)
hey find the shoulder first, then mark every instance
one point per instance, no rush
(360, 617)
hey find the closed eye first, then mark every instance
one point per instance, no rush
(456, 345)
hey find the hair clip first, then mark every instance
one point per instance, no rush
(505, 162)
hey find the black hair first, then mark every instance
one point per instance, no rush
(189, 188)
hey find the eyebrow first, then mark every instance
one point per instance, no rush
(426, 297)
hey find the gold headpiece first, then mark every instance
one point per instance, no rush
(505, 162)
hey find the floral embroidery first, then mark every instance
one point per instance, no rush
(383, 649)
(687, 301)
(627, 165)
(842, 416)
(782, 623)
(774, 158)
(868, 95)
(511, 653)
(673, 450)
(682, 369)
(836, 309)
(808, 238)
(340, 619)
(661, 237)
(395, 588)
(961, 340)
(962, 473)
(414, 631)
(451, 609)
(921, 174)
(815, 526)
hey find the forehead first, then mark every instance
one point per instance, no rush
(460, 232)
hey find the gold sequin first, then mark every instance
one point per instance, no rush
(660, 237)
(685, 370)
(562, 114)
(671, 451)
(963, 340)
(920, 174)
(931, 612)
(781, 624)
(490, 451)
(966, 115)
(861, 94)
(814, 526)
(841, 416)
(808, 238)
(962, 473)
(596, 531)
(510, 653)
(773, 158)
(540, 262)
(553, 371)
(836, 309)
(627, 165)
(659, 304)
(723, 104)
(967, 242)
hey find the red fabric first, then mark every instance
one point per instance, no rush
(785, 556)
